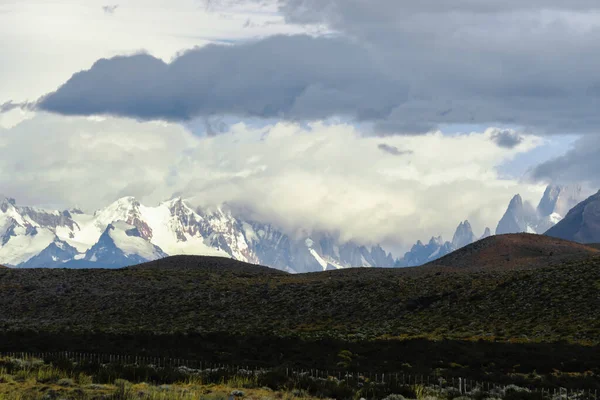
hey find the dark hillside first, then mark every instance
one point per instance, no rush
(498, 320)
(547, 304)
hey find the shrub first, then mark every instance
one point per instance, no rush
(66, 382)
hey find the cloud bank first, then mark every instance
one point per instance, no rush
(580, 163)
(289, 77)
(326, 177)
(530, 63)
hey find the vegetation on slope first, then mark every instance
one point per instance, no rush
(490, 322)
(542, 305)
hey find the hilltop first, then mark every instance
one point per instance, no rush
(516, 251)
(205, 264)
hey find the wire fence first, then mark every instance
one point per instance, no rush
(463, 386)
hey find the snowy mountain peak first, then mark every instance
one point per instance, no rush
(124, 209)
(127, 232)
(123, 244)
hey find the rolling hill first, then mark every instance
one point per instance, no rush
(515, 252)
(216, 295)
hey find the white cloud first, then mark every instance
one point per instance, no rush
(321, 177)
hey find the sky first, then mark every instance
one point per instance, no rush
(386, 120)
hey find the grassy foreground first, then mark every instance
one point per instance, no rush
(34, 379)
(44, 380)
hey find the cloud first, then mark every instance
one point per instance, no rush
(530, 64)
(291, 77)
(9, 105)
(507, 138)
(580, 163)
(393, 150)
(320, 176)
(81, 161)
(110, 9)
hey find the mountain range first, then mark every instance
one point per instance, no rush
(127, 232)
(520, 217)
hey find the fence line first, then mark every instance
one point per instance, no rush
(463, 385)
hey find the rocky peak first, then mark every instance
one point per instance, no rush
(463, 235)
(559, 200)
(124, 209)
(486, 233)
(520, 216)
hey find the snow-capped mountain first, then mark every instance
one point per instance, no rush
(421, 253)
(127, 232)
(25, 231)
(556, 202)
(123, 244)
(57, 252)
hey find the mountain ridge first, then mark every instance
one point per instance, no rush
(582, 222)
(32, 237)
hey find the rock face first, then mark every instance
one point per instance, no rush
(127, 232)
(581, 224)
(519, 217)
(559, 200)
(463, 235)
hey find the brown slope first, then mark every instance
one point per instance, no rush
(516, 251)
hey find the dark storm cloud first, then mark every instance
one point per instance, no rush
(292, 77)
(393, 150)
(529, 63)
(581, 163)
(507, 139)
